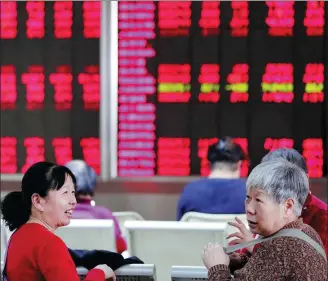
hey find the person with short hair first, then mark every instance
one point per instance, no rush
(86, 181)
(46, 202)
(276, 193)
(222, 192)
(314, 211)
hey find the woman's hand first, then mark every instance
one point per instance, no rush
(214, 254)
(244, 235)
(109, 273)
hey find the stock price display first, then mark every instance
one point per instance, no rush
(49, 83)
(191, 72)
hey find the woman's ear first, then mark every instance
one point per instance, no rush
(37, 202)
(289, 205)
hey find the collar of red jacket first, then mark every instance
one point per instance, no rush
(307, 201)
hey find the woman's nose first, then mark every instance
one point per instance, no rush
(250, 208)
(73, 200)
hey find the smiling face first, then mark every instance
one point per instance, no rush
(265, 217)
(56, 209)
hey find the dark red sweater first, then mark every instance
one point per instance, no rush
(37, 254)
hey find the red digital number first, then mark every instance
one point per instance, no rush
(240, 18)
(62, 83)
(174, 83)
(35, 21)
(313, 154)
(34, 151)
(8, 155)
(8, 19)
(209, 79)
(8, 90)
(62, 150)
(34, 82)
(173, 156)
(91, 19)
(238, 83)
(280, 19)
(174, 18)
(277, 83)
(91, 152)
(63, 19)
(90, 81)
(210, 18)
(314, 83)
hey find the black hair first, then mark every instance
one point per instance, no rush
(289, 154)
(225, 150)
(40, 178)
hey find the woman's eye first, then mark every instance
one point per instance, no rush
(65, 192)
(258, 200)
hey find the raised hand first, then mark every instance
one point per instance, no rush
(243, 235)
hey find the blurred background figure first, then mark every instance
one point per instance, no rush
(86, 181)
(222, 192)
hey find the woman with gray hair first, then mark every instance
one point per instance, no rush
(276, 193)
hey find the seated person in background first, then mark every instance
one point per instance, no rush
(314, 212)
(46, 202)
(276, 193)
(86, 180)
(223, 192)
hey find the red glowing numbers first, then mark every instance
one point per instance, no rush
(62, 83)
(35, 21)
(174, 18)
(34, 82)
(314, 83)
(63, 19)
(62, 148)
(90, 81)
(280, 19)
(209, 21)
(91, 19)
(136, 116)
(313, 154)
(240, 18)
(34, 152)
(8, 155)
(174, 83)
(277, 83)
(91, 152)
(209, 79)
(314, 20)
(8, 19)
(8, 89)
(238, 83)
(173, 157)
(272, 144)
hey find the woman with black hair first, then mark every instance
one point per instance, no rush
(45, 203)
(222, 192)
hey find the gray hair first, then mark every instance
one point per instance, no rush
(281, 180)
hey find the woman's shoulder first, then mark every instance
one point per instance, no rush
(38, 234)
(287, 244)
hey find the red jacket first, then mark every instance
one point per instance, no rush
(315, 214)
(37, 254)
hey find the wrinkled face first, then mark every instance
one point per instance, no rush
(265, 217)
(59, 205)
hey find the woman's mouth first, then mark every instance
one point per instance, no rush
(69, 213)
(252, 224)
